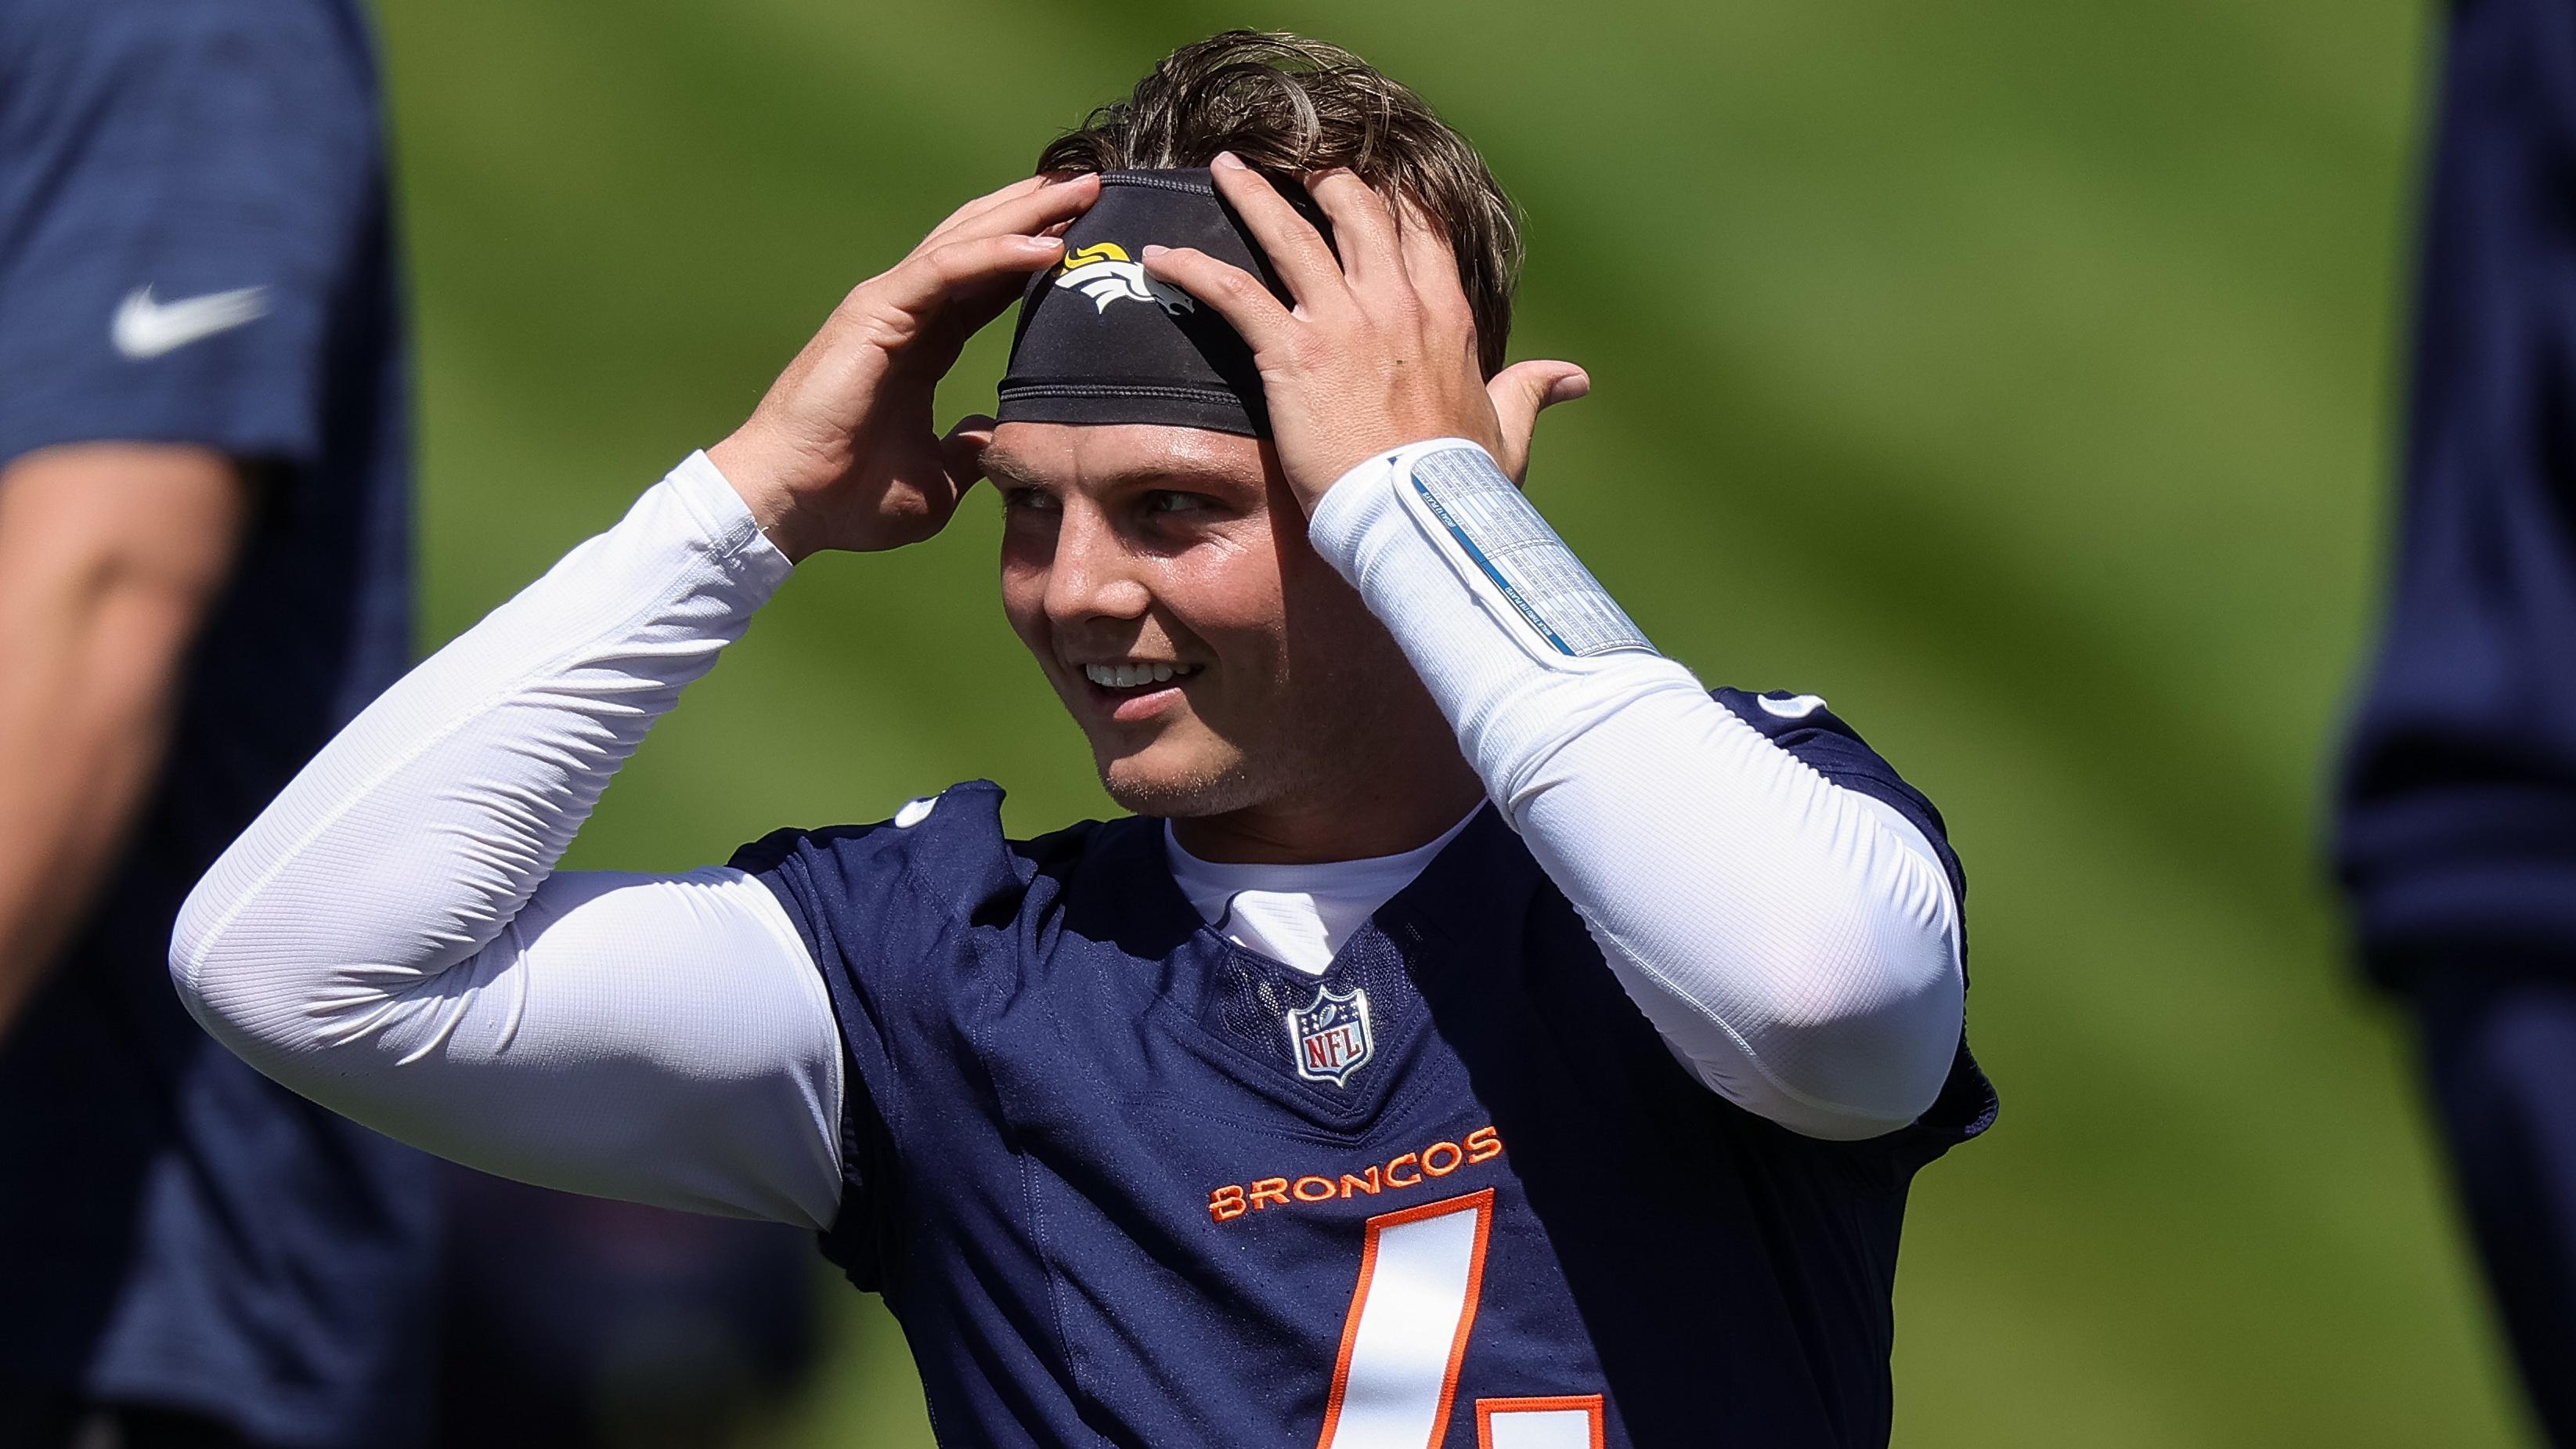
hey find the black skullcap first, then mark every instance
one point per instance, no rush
(1101, 342)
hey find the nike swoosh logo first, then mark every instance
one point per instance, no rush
(145, 328)
(1796, 706)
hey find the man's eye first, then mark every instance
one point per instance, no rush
(1165, 501)
(1033, 500)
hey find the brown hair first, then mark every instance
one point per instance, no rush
(1287, 105)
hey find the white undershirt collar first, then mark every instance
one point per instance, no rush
(1298, 914)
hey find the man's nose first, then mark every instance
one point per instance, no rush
(1094, 573)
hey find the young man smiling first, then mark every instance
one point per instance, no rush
(1480, 1034)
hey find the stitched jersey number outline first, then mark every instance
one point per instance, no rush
(1422, 1271)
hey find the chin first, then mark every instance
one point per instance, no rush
(1144, 784)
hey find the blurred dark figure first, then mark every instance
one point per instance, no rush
(2458, 828)
(579, 1323)
(203, 573)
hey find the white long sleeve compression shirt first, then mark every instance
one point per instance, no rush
(1794, 941)
(391, 938)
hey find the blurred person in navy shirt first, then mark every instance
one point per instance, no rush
(571, 1322)
(2457, 834)
(203, 573)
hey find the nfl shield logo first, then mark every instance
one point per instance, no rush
(1330, 1038)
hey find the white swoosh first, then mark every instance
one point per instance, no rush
(145, 328)
(1796, 706)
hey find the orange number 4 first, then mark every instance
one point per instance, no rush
(1396, 1379)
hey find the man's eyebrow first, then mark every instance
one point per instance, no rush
(1004, 470)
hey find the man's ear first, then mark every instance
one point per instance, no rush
(1520, 392)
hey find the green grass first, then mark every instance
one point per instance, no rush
(2015, 374)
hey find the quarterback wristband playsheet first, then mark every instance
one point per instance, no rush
(1709, 863)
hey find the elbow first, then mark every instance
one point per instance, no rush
(194, 942)
(263, 1001)
(1883, 1073)
(1869, 1050)
(225, 969)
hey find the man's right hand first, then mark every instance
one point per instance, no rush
(841, 453)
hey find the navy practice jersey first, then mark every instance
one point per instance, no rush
(1125, 1182)
(194, 248)
(2457, 832)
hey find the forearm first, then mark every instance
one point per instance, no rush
(1776, 928)
(111, 554)
(371, 940)
(83, 728)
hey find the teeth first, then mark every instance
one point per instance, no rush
(1130, 676)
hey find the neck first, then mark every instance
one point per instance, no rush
(1381, 815)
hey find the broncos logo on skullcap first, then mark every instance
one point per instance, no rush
(1103, 272)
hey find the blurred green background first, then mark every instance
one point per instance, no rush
(2016, 374)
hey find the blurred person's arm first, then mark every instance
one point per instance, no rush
(191, 203)
(111, 555)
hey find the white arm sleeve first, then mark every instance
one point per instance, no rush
(1794, 941)
(389, 940)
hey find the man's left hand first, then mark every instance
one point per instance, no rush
(1380, 348)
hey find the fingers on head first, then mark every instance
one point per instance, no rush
(985, 256)
(1430, 262)
(1237, 295)
(1296, 250)
(1363, 225)
(1050, 204)
(1030, 204)
(986, 202)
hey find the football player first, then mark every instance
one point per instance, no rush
(2456, 833)
(204, 543)
(1479, 1033)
